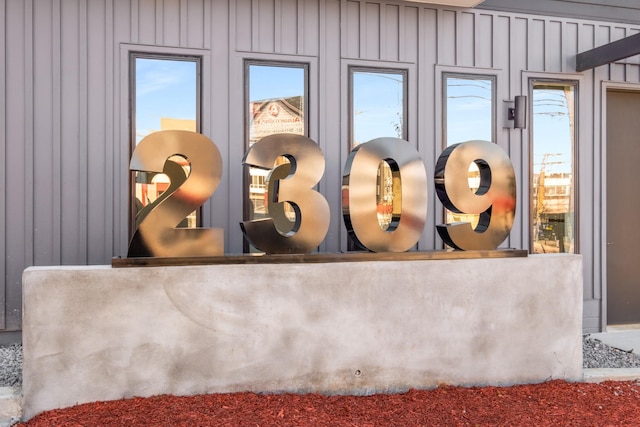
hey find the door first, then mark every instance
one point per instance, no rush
(623, 207)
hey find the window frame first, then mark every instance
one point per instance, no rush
(351, 70)
(532, 81)
(445, 74)
(132, 56)
(246, 79)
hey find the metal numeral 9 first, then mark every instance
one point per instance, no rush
(494, 200)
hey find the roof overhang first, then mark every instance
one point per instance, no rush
(608, 53)
(457, 3)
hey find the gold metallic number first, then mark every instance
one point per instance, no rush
(359, 205)
(494, 200)
(156, 234)
(291, 182)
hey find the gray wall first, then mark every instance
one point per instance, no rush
(63, 125)
(627, 11)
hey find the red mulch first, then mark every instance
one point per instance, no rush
(556, 403)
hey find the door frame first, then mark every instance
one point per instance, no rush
(606, 86)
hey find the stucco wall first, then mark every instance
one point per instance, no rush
(97, 333)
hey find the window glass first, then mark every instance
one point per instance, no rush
(378, 103)
(277, 99)
(469, 108)
(553, 154)
(469, 115)
(164, 97)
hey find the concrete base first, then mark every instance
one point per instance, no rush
(97, 333)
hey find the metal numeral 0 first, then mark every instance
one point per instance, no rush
(494, 200)
(156, 234)
(293, 183)
(359, 207)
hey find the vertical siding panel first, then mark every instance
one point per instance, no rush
(4, 242)
(184, 23)
(135, 13)
(586, 39)
(409, 34)
(511, 140)
(235, 128)
(289, 27)
(484, 55)
(82, 141)
(29, 127)
(429, 132)
(633, 63)
(215, 118)
(447, 42)
(309, 31)
(569, 47)
(243, 32)
(171, 19)
(56, 131)
(391, 39)
(264, 21)
(553, 46)
(535, 61)
(588, 178)
(195, 28)
(371, 37)
(602, 37)
(43, 147)
(14, 300)
(70, 164)
(332, 135)
(147, 21)
(110, 132)
(351, 36)
(465, 39)
(121, 34)
(518, 61)
(598, 35)
(501, 46)
(160, 22)
(97, 156)
(277, 26)
(18, 48)
(595, 36)
(618, 68)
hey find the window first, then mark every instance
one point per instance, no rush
(468, 114)
(276, 103)
(553, 153)
(165, 95)
(469, 109)
(378, 104)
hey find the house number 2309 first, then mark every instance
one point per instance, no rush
(157, 234)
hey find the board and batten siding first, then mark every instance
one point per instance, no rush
(64, 120)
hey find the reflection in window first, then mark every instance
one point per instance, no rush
(553, 152)
(378, 102)
(468, 115)
(165, 97)
(276, 104)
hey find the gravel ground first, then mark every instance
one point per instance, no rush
(595, 355)
(11, 365)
